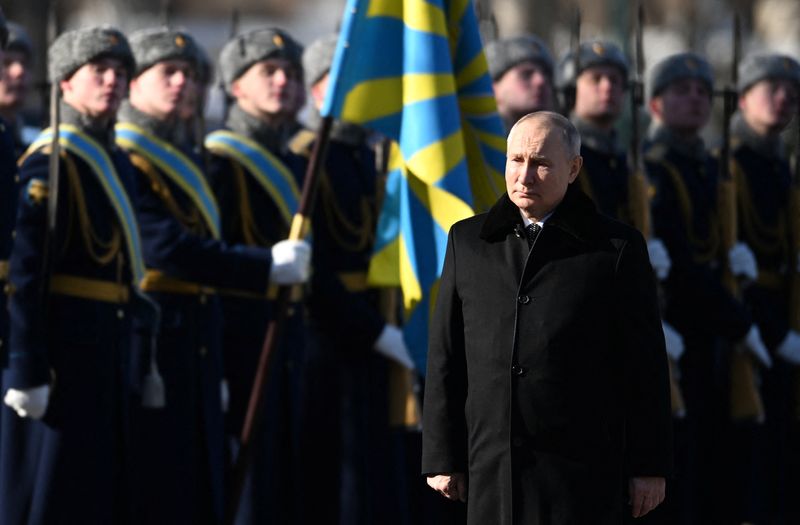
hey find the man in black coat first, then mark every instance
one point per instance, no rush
(547, 375)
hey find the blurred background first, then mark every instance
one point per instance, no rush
(671, 26)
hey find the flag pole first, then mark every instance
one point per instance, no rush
(299, 229)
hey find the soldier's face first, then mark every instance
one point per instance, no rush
(269, 88)
(684, 105)
(599, 92)
(160, 89)
(195, 92)
(523, 89)
(769, 105)
(97, 88)
(538, 168)
(15, 80)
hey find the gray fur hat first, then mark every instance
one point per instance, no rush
(678, 67)
(73, 49)
(157, 44)
(506, 53)
(19, 40)
(318, 57)
(246, 49)
(755, 68)
(590, 54)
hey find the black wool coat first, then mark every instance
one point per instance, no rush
(547, 375)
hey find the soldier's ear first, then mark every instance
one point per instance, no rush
(235, 90)
(656, 106)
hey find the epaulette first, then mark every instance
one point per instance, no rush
(37, 191)
(656, 152)
(300, 143)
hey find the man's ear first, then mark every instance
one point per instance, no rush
(235, 90)
(575, 168)
(655, 105)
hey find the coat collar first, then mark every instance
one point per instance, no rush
(576, 216)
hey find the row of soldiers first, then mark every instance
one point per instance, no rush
(724, 245)
(135, 319)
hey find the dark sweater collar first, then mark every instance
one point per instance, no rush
(275, 139)
(574, 215)
(595, 138)
(769, 147)
(694, 149)
(166, 130)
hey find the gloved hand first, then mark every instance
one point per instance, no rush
(752, 341)
(789, 349)
(659, 258)
(742, 262)
(29, 402)
(673, 341)
(390, 344)
(291, 262)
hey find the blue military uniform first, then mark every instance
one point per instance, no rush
(248, 157)
(186, 261)
(71, 466)
(685, 217)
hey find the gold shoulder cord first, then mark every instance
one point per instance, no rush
(191, 220)
(766, 239)
(353, 237)
(250, 233)
(704, 250)
(100, 251)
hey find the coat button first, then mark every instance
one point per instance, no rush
(518, 370)
(203, 298)
(203, 351)
(523, 299)
(120, 314)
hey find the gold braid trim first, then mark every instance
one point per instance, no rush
(100, 251)
(639, 202)
(703, 250)
(192, 220)
(766, 239)
(340, 227)
(250, 232)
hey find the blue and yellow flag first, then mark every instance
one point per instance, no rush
(414, 70)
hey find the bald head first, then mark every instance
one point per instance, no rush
(542, 160)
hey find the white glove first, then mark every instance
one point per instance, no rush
(224, 396)
(659, 258)
(30, 402)
(756, 346)
(673, 341)
(291, 262)
(742, 262)
(390, 344)
(789, 349)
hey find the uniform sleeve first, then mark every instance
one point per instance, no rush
(444, 428)
(648, 422)
(28, 363)
(169, 247)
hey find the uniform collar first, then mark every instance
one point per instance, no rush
(769, 147)
(274, 139)
(350, 134)
(102, 132)
(166, 130)
(575, 215)
(595, 138)
(694, 149)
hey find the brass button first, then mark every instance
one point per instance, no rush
(203, 298)
(1, 343)
(120, 314)
(203, 351)
(13, 234)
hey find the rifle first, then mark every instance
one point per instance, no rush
(569, 91)
(53, 178)
(227, 100)
(745, 398)
(167, 12)
(638, 186)
(794, 224)
(301, 223)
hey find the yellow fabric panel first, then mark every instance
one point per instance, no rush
(416, 14)
(374, 99)
(437, 159)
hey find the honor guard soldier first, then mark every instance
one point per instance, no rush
(180, 449)
(768, 89)
(16, 81)
(686, 216)
(359, 354)
(73, 295)
(522, 76)
(256, 180)
(193, 105)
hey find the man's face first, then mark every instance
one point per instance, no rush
(160, 90)
(523, 89)
(97, 88)
(599, 92)
(15, 80)
(270, 88)
(538, 168)
(684, 105)
(769, 105)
